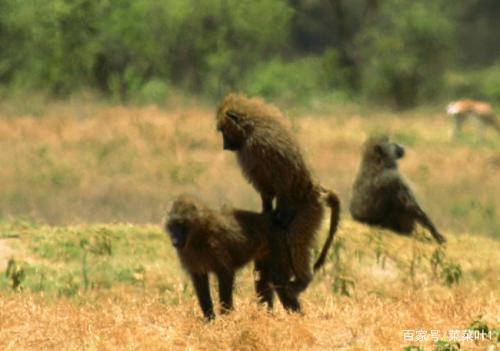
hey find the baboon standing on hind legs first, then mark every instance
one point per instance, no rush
(380, 196)
(271, 160)
(220, 242)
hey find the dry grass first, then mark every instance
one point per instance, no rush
(142, 322)
(84, 163)
(102, 164)
(394, 290)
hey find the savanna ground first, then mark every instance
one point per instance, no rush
(84, 192)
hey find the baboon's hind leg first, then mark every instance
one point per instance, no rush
(290, 302)
(300, 237)
(279, 271)
(263, 286)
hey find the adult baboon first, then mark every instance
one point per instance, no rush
(461, 110)
(223, 241)
(380, 196)
(271, 160)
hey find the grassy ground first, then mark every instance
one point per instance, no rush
(121, 287)
(67, 167)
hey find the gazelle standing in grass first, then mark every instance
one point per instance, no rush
(461, 110)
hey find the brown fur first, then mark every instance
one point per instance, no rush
(271, 160)
(380, 196)
(223, 241)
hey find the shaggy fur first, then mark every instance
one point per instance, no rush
(380, 196)
(271, 160)
(220, 242)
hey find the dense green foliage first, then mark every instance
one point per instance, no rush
(392, 49)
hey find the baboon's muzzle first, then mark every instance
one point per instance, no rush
(178, 236)
(229, 144)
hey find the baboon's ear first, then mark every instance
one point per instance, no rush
(235, 117)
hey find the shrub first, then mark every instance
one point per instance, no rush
(154, 91)
(479, 84)
(406, 51)
(294, 80)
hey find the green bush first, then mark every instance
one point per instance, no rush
(335, 74)
(125, 48)
(406, 51)
(154, 91)
(241, 35)
(297, 80)
(479, 83)
(490, 84)
(137, 49)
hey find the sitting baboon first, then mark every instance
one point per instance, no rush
(462, 110)
(223, 241)
(380, 196)
(271, 160)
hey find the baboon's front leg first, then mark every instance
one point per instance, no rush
(200, 282)
(226, 281)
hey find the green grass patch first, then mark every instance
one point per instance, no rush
(66, 261)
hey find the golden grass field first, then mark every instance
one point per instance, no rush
(84, 192)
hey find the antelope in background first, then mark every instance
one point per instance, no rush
(482, 112)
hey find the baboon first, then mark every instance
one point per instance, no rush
(462, 110)
(380, 196)
(271, 160)
(220, 242)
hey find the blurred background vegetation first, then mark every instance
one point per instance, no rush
(395, 52)
(81, 139)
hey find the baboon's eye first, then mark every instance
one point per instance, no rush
(233, 116)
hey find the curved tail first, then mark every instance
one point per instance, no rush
(332, 200)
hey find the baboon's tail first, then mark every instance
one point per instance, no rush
(333, 202)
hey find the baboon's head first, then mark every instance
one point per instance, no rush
(380, 152)
(182, 219)
(232, 122)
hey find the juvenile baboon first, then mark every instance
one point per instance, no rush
(462, 110)
(380, 196)
(271, 160)
(220, 242)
